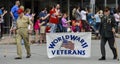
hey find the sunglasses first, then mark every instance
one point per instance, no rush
(106, 10)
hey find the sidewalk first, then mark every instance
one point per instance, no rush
(11, 40)
(7, 40)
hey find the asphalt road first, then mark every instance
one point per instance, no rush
(39, 55)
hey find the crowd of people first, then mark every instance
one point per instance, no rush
(83, 20)
(54, 20)
(91, 21)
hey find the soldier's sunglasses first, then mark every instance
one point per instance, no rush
(106, 10)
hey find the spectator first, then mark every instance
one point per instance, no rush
(101, 14)
(36, 28)
(84, 13)
(90, 18)
(98, 21)
(54, 20)
(76, 26)
(31, 17)
(2, 13)
(78, 14)
(74, 13)
(117, 19)
(65, 23)
(43, 20)
(14, 14)
(1, 10)
(59, 25)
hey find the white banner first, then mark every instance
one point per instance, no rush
(69, 44)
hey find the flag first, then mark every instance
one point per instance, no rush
(68, 45)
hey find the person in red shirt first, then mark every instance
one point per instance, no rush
(54, 18)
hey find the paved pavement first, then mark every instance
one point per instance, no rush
(39, 55)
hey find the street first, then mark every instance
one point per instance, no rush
(39, 55)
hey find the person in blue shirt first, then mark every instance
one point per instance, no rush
(14, 10)
(43, 21)
(1, 10)
(90, 17)
(14, 14)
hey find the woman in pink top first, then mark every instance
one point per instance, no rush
(36, 28)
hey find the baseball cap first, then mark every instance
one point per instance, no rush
(20, 11)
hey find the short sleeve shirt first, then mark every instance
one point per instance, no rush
(14, 10)
(1, 12)
(42, 14)
(53, 18)
(64, 22)
(83, 15)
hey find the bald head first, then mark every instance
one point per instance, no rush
(58, 6)
(17, 3)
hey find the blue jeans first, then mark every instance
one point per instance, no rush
(60, 28)
(14, 23)
(53, 28)
(77, 28)
(64, 29)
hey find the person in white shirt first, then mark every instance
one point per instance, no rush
(84, 20)
(83, 15)
(117, 19)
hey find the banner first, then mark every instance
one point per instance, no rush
(69, 44)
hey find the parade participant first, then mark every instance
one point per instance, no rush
(107, 31)
(22, 33)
